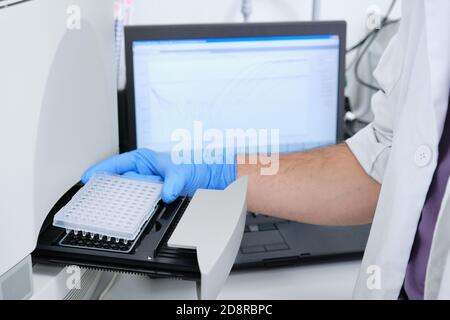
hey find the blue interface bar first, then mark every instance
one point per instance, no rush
(218, 40)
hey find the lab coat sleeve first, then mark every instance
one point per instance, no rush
(372, 145)
(372, 150)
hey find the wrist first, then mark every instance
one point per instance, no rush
(222, 175)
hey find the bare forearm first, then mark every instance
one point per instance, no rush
(324, 186)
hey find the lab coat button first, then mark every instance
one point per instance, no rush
(423, 156)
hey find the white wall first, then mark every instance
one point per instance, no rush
(188, 11)
(355, 12)
(202, 11)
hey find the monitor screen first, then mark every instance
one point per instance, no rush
(286, 83)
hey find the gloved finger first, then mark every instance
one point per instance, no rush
(119, 164)
(147, 163)
(137, 176)
(174, 184)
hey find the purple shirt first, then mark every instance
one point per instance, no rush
(413, 287)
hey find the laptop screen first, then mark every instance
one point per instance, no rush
(286, 83)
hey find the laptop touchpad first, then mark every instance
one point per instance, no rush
(263, 241)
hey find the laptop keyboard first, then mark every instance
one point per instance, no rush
(262, 237)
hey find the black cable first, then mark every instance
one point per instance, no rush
(358, 63)
(388, 13)
(384, 23)
(371, 37)
(363, 40)
(350, 125)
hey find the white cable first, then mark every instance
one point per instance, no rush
(246, 9)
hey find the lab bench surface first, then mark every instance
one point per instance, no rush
(325, 281)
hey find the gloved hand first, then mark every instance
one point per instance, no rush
(179, 180)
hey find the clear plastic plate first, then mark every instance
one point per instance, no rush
(111, 206)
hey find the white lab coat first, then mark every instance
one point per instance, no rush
(400, 150)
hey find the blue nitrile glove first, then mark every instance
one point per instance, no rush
(179, 180)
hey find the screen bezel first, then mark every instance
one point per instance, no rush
(127, 118)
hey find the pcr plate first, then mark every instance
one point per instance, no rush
(110, 206)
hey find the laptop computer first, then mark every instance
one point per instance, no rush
(224, 75)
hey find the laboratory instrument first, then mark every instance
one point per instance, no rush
(59, 115)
